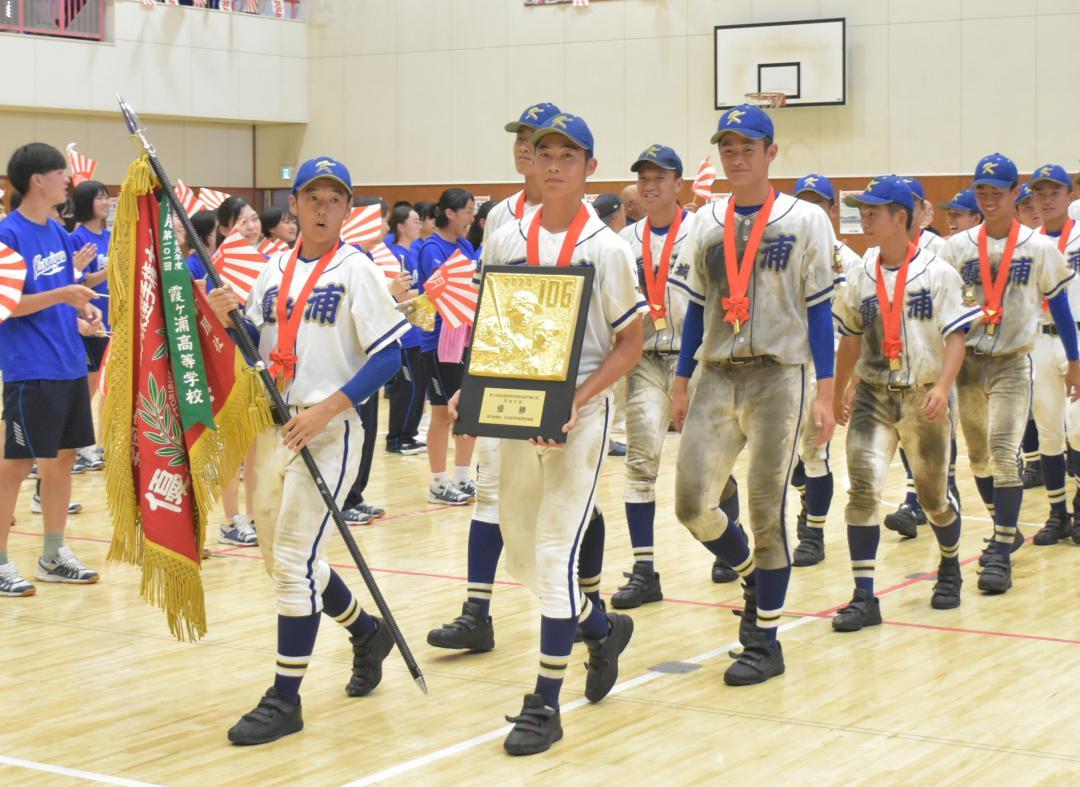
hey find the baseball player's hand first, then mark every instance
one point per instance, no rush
(223, 300)
(400, 286)
(85, 256)
(303, 427)
(841, 407)
(1072, 381)
(824, 417)
(936, 404)
(540, 442)
(680, 403)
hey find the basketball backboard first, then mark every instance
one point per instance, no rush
(806, 61)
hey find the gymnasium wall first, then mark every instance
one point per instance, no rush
(199, 78)
(416, 91)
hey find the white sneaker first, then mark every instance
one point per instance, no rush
(239, 533)
(66, 568)
(35, 506)
(467, 488)
(12, 582)
(448, 495)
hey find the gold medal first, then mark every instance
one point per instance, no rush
(837, 262)
(660, 324)
(894, 364)
(991, 328)
(969, 295)
(736, 326)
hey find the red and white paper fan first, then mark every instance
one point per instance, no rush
(212, 199)
(239, 263)
(272, 246)
(12, 279)
(191, 203)
(82, 167)
(452, 291)
(386, 260)
(706, 176)
(363, 225)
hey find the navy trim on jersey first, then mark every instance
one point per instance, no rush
(1057, 288)
(571, 569)
(818, 296)
(843, 327)
(322, 527)
(629, 314)
(962, 321)
(696, 297)
(387, 338)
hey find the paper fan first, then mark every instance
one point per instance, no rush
(706, 176)
(386, 260)
(212, 199)
(82, 167)
(363, 225)
(272, 246)
(191, 203)
(12, 278)
(239, 263)
(452, 290)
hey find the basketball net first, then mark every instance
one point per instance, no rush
(772, 100)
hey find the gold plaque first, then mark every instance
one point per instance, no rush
(525, 327)
(512, 407)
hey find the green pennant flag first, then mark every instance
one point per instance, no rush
(185, 351)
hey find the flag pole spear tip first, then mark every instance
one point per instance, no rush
(422, 684)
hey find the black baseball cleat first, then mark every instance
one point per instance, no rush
(603, 663)
(722, 573)
(643, 587)
(747, 615)
(271, 719)
(811, 547)
(864, 610)
(1032, 476)
(905, 520)
(996, 576)
(1057, 528)
(471, 630)
(947, 588)
(536, 728)
(368, 655)
(759, 661)
(1018, 541)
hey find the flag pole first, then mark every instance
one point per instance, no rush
(278, 406)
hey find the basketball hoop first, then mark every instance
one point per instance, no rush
(772, 100)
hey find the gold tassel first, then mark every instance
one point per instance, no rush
(173, 584)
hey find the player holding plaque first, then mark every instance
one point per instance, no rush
(547, 488)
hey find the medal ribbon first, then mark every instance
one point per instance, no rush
(283, 356)
(892, 310)
(566, 253)
(519, 207)
(994, 289)
(738, 276)
(656, 281)
(1063, 241)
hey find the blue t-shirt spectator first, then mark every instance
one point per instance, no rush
(80, 236)
(433, 253)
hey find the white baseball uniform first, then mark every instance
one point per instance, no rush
(547, 494)
(994, 384)
(751, 380)
(648, 389)
(349, 317)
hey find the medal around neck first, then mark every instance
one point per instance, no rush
(521, 370)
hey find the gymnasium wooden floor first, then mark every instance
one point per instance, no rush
(94, 688)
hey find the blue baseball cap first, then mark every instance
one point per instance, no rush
(963, 200)
(1051, 173)
(915, 186)
(660, 155)
(818, 184)
(1025, 193)
(883, 190)
(747, 120)
(322, 167)
(533, 117)
(996, 170)
(570, 126)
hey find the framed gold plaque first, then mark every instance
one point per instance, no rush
(521, 370)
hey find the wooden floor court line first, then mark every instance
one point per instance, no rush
(74, 773)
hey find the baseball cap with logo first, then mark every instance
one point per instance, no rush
(915, 185)
(1024, 194)
(746, 120)
(570, 126)
(1051, 173)
(996, 170)
(322, 167)
(963, 200)
(660, 155)
(533, 117)
(883, 190)
(816, 184)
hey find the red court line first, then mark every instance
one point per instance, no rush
(983, 632)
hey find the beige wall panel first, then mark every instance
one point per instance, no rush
(656, 18)
(422, 25)
(477, 23)
(477, 115)
(595, 91)
(656, 105)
